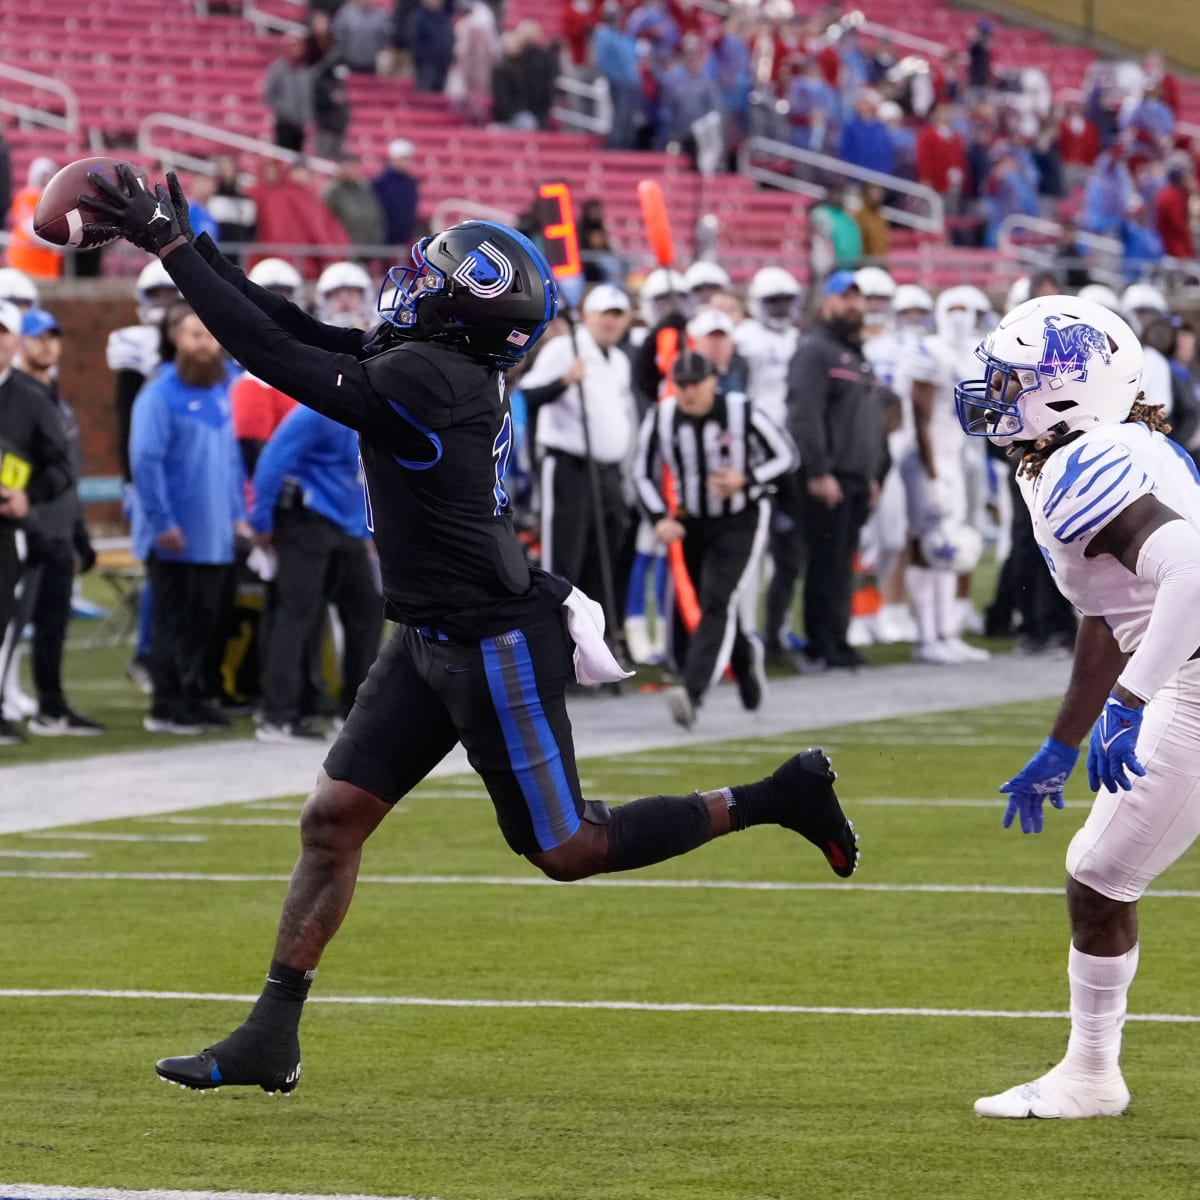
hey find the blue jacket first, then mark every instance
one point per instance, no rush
(867, 144)
(187, 469)
(322, 457)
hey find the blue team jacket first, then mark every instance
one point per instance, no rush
(187, 469)
(322, 457)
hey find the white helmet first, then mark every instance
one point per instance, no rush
(153, 278)
(1140, 298)
(707, 274)
(657, 289)
(961, 326)
(18, 287)
(772, 297)
(1099, 293)
(277, 275)
(1055, 360)
(344, 276)
(952, 546)
(911, 298)
(1018, 293)
(875, 282)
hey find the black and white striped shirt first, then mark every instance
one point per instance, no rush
(733, 435)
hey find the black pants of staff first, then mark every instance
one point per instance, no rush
(568, 515)
(831, 535)
(716, 551)
(189, 620)
(319, 564)
(10, 574)
(787, 550)
(45, 601)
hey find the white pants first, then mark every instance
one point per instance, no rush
(931, 501)
(1130, 838)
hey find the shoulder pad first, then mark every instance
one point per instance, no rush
(1086, 484)
(134, 348)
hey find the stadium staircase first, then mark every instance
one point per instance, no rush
(128, 59)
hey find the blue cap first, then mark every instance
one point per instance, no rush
(839, 283)
(38, 321)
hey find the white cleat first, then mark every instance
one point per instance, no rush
(964, 652)
(935, 653)
(1057, 1095)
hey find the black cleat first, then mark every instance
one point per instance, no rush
(224, 1065)
(807, 780)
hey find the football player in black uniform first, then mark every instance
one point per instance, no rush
(482, 652)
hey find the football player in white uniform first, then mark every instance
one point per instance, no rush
(345, 296)
(1116, 511)
(935, 481)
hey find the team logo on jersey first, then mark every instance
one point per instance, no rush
(1067, 351)
(486, 272)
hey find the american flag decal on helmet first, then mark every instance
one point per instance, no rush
(517, 338)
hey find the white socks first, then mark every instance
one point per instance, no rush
(1099, 990)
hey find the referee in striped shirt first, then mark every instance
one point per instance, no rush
(721, 454)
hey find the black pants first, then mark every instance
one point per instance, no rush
(319, 564)
(831, 536)
(787, 550)
(189, 621)
(46, 602)
(289, 135)
(716, 552)
(10, 573)
(569, 543)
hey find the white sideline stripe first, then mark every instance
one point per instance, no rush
(119, 837)
(38, 1191)
(831, 1010)
(732, 885)
(44, 854)
(218, 821)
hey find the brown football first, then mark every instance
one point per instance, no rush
(60, 220)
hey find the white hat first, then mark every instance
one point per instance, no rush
(400, 148)
(606, 297)
(10, 316)
(710, 320)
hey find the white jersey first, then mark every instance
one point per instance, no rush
(941, 364)
(1080, 489)
(134, 348)
(889, 354)
(768, 353)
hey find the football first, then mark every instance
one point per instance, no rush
(60, 220)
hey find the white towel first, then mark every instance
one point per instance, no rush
(594, 661)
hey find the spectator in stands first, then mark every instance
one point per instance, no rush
(201, 188)
(653, 23)
(579, 19)
(979, 56)
(942, 158)
(6, 192)
(1070, 257)
(832, 221)
(331, 95)
(1156, 75)
(430, 38)
(1008, 191)
(55, 536)
(1172, 209)
(731, 69)
(1078, 145)
(399, 194)
(872, 225)
(353, 201)
(1141, 247)
(317, 527)
(865, 141)
(1107, 196)
(233, 211)
(35, 465)
(26, 251)
(523, 79)
(288, 93)
(361, 33)
(614, 53)
(813, 109)
(903, 139)
(688, 94)
(190, 507)
(291, 213)
(476, 48)
(600, 263)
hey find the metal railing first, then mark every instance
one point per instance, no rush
(1033, 242)
(824, 171)
(594, 94)
(453, 209)
(28, 114)
(170, 156)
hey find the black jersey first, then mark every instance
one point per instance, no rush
(435, 435)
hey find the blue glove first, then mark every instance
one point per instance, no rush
(1042, 778)
(1111, 749)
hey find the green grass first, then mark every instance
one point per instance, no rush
(576, 1104)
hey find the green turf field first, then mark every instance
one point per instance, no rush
(574, 1100)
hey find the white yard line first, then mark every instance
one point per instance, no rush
(832, 1010)
(281, 822)
(56, 836)
(38, 1191)
(43, 854)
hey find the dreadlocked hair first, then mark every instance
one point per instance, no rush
(1034, 458)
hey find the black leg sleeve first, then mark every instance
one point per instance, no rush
(656, 828)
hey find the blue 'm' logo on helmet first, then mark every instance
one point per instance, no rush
(486, 271)
(1068, 350)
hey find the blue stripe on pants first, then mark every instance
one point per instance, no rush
(532, 748)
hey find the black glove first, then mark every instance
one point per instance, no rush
(84, 550)
(145, 219)
(180, 205)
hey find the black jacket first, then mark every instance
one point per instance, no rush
(33, 441)
(835, 408)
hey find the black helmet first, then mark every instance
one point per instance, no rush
(480, 285)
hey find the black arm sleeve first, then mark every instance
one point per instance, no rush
(333, 384)
(535, 397)
(288, 316)
(129, 383)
